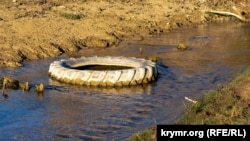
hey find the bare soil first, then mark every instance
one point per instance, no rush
(36, 29)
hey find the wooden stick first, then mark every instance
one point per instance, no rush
(238, 16)
(4, 85)
(140, 50)
(190, 100)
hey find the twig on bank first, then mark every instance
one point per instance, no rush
(193, 101)
(184, 103)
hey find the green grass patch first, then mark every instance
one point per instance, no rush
(148, 135)
(71, 16)
(230, 104)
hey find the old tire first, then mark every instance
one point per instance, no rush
(141, 71)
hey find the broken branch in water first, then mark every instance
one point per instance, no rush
(4, 85)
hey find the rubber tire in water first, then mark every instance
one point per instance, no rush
(141, 71)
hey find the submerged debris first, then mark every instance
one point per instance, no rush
(7, 82)
(182, 46)
(24, 86)
(40, 87)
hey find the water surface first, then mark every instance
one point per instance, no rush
(66, 112)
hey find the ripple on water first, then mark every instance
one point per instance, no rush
(68, 112)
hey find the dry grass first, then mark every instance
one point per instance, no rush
(227, 105)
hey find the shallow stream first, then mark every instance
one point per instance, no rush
(216, 53)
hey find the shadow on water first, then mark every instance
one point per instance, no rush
(216, 53)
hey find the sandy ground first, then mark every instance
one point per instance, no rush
(36, 29)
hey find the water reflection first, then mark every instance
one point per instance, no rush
(217, 52)
(130, 90)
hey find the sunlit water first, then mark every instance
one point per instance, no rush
(66, 112)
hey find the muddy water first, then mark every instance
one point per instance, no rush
(65, 112)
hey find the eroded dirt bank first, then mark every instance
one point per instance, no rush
(36, 29)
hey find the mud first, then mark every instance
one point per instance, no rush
(37, 29)
(216, 53)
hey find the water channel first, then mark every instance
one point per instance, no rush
(216, 53)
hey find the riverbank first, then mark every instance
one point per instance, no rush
(228, 104)
(40, 29)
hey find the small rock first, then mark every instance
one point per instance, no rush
(40, 87)
(10, 83)
(140, 50)
(155, 58)
(24, 86)
(181, 46)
